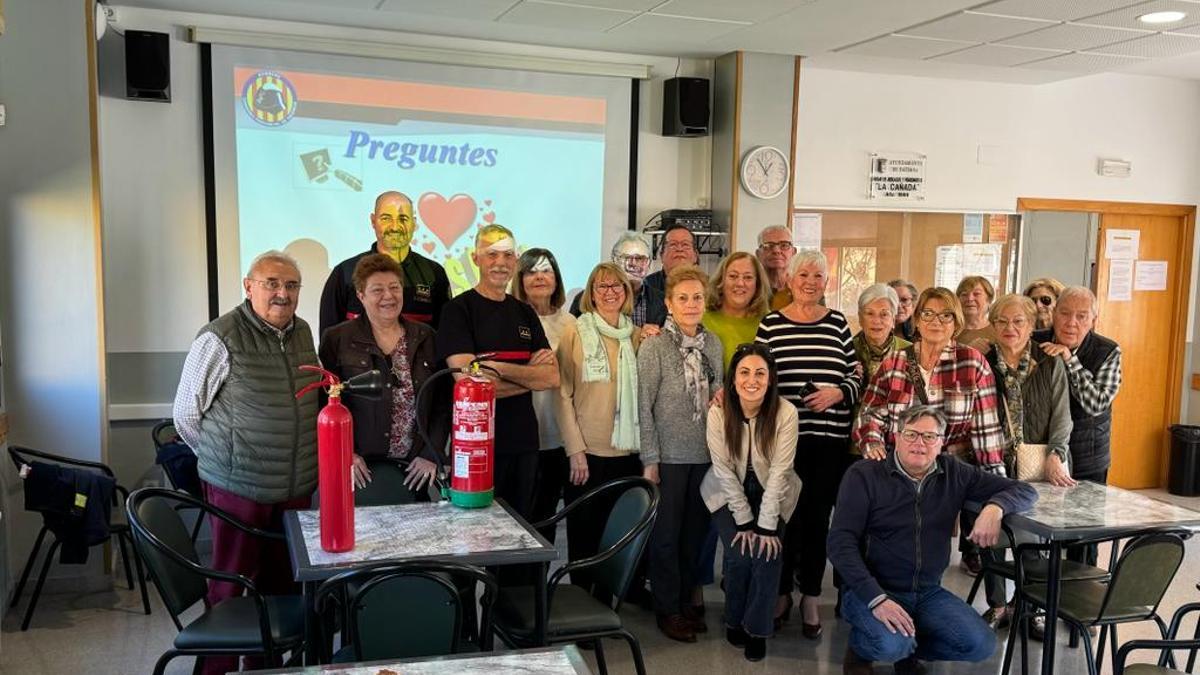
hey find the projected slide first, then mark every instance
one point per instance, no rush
(314, 149)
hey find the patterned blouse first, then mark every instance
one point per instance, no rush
(404, 408)
(961, 384)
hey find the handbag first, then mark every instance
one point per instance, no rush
(1031, 461)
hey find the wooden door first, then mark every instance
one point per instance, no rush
(1150, 329)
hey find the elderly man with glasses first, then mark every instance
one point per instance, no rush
(632, 254)
(775, 251)
(255, 444)
(890, 541)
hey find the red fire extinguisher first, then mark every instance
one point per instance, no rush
(472, 446)
(335, 445)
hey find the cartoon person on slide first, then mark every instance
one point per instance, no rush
(426, 287)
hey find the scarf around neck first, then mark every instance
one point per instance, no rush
(697, 371)
(596, 368)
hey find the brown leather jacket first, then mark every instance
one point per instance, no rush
(349, 349)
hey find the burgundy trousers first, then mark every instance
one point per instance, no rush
(263, 561)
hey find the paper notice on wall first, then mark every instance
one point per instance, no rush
(998, 228)
(1122, 244)
(806, 230)
(1120, 280)
(956, 261)
(972, 228)
(1150, 275)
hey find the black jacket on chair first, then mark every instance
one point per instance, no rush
(76, 505)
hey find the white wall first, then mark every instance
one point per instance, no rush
(50, 309)
(154, 188)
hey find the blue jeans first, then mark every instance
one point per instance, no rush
(751, 582)
(948, 629)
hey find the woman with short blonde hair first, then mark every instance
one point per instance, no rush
(738, 298)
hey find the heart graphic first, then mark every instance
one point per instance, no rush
(428, 246)
(446, 218)
(490, 217)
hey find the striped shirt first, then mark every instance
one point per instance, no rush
(821, 353)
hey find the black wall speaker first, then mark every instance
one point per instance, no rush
(685, 107)
(147, 66)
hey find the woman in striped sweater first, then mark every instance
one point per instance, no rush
(818, 375)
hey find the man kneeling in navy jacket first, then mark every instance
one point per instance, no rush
(890, 541)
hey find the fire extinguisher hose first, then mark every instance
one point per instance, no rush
(422, 427)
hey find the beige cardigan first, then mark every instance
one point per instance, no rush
(586, 410)
(722, 485)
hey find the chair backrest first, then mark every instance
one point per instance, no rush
(21, 455)
(386, 486)
(158, 528)
(632, 515)
(163, 433)
(408, 610)
(1144, 571)
(176, 458)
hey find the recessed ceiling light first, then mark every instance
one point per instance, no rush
(1162, 17)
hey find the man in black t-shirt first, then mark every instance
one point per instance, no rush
(487, 320)
(426, 286)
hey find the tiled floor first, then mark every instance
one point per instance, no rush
(107, 633)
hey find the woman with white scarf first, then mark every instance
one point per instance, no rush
(597, 402)
(679, 371)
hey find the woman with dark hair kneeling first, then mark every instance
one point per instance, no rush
(751, 490)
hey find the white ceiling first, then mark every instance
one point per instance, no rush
(1005, 40)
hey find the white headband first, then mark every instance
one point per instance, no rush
(502, 244)
(542, 265)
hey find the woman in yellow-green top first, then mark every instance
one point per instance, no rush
(738, 299)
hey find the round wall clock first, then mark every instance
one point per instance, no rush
(765, 172)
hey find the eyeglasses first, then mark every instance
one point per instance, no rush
(609, 288)
(679, 246)
(1044, 300)
(906, 301)
(928, 315)
(638, 260)
(378, 291)
(274, 285)
(926, 437)
(776, 246)
(1018, 323)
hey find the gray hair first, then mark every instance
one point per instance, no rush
(272, 256)
(918, 411)
(632, 237)
(897, 283)
(773, 228)
(1080, 292)
(808, 256)
(879, 292)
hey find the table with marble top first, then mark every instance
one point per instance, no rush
(562, 660)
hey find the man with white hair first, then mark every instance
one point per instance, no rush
(255, 444)
(775, 251)
(1093, 379)
(632, 254)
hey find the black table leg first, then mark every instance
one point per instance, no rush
(312, 630)
(1053, 574)
(539, 605)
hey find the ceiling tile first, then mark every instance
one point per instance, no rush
(974, 27)
(1055, 10)
(477, 10)
(996, 55)
(1073, 36)
(904, 47)
(1155, 46)
(752, 11)
(1083, 62)
(573, 17)
(631, 5)
(1127, 18)
(652, 28)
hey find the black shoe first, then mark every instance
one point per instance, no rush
(909, 666)
(735, 636)
(756, 648)
(971, 563)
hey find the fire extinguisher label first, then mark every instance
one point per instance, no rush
(462, 465)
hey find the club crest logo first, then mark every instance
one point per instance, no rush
(269, 98)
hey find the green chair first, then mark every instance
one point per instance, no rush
(1166, 647)
(1138, 583)
(405, 610)
(1036, 566)
(251, 624)
(574, 614)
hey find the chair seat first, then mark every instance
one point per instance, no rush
(573, 611)
(1037, 570)
(1081, 600)
(233, 625)
(1149, 669)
